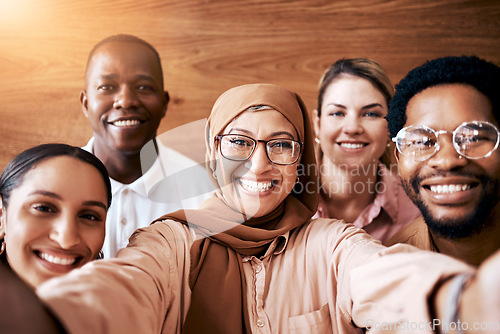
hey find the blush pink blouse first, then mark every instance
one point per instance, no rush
(388, 213)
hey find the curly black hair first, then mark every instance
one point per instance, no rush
(470, 70)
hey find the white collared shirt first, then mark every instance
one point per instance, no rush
(172, 183)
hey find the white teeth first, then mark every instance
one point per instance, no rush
(256, 186)
(57, 260)
(351, 145)
(449, 188)
(128, 122)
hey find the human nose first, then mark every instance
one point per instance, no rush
(125, 98)
(352, 124)
(447, 157)
(259, 162)
(65, 232)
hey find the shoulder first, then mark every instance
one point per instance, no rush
(165, 231)
(90, 146)
(415, 234)
(330, 234)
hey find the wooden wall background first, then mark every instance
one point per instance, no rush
(208, 46)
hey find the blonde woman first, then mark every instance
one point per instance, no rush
(358, 184)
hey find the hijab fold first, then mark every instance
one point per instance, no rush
(217, 280)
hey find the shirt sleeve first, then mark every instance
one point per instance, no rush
(390, 291)
(132, 293)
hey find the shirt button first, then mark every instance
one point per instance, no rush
(260, 323)
(124, 221)
(125, 192)
(258, 269)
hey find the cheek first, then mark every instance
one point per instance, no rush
(99, 104)
(379, 130)
(225, 171)
(93, 238)
(155, 106)
(289, 177)
(491, 165)
(18, 238)
(328, 129)
(19, 228)
(380, 135)
(407, 167)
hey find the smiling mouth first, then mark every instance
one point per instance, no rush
(253, 186)
(57, 260)
(352, 145)
(126, 122)
(449, 188)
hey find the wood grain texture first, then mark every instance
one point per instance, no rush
(210, 46)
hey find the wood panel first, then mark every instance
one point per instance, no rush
(208, 46)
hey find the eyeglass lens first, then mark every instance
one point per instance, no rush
(473, 140)
(280, 151)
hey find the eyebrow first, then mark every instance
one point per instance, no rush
(96, 203)
(56, 196)
(274, 134)
(336, 105)
(138, 76)
(368, 106)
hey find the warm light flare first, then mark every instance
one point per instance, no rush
(15, 12)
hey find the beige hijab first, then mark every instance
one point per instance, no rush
(218, 302)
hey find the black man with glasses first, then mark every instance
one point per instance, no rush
(444, 120)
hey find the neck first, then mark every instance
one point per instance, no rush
(474, 249)
(122, 167)
(346, 191)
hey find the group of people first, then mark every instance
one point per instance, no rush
(288, 228)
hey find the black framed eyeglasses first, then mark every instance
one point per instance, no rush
(473, 140)
(240, 148)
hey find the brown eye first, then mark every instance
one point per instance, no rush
(146, 88)
(106, 88)
(91, 217)
(43, 208)
(373, 114)
(336, 113)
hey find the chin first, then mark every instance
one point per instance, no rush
(458, 225)
(254, 211)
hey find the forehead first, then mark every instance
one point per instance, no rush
(262, 122)
(122, 58)
(350, 87)
(51, 168)
(447, 106)
(63, 174)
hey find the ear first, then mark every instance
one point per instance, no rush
(166, 99)
(3, 218)
(396, 155)
(316, 121)
(84, 103)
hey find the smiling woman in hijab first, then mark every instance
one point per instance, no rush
(251, 259)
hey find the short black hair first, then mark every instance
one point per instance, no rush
(469, 70)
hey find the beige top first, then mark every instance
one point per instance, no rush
(416, 234)
(321, 278)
